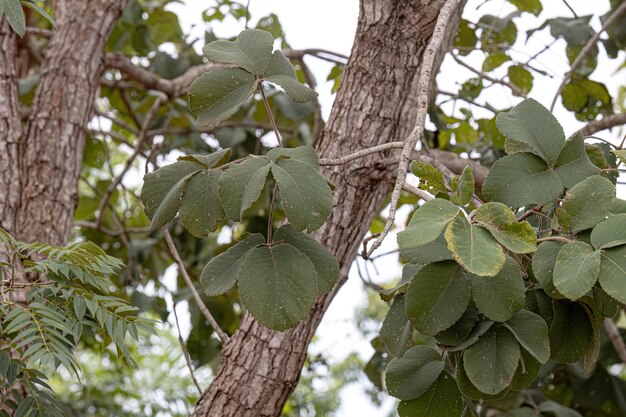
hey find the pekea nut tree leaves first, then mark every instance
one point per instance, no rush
(280, 275)
(498, 281)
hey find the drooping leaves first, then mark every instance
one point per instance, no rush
(501, 222)
(411, 375)
(586, 204)
(437, 297)
(460, 330)
(474, 248)
(15, 15)
(397, 331)
(576, 270)
(221, 273)
(442, 399)
(571, 332)
(201, 210)
(278, 285)
(491, 362)
(241, 185)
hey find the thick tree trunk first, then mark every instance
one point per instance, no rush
(375, 104)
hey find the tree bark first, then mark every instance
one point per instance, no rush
(375, 104)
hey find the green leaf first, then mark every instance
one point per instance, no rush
(501, 296)
(613, 273)
(241, 185)
(520, 77)
(304, 193)
(460, 330)
(325, 264)
(437, 297)
(435, 251)
(252, 51)
(527, 370)
(571, 332)
(543, 264)
(280, 65)
(557, 409)
(463, 187)
(442, 399)
(518, 237)
(621, 154)
(34, 6)
(470, 391)
(15, 16)
(162, 191)
(586, 204)
(532, 6)
(431, 179)
(610, 232)
(427, 223)
(576, 270)
(491, 362)
(521, 180)
(531, 331)
(296, 91)
(397, 331)
(216, 95)
(494, 60)
(278, 285)
(411, 375)
(304, 154)
(533, 126)
(201, 211)
(474, 248)
(220, 274)
(211, 160)
(574, 164)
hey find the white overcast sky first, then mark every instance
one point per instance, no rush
(330, 24)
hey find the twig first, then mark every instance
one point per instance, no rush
(515, 89)
(183, 271)
(458, 97)
(428, 60)
(185, 351)
(616, 339)
(118, 122)
(570, 9)
(607, 122)
(555, 238)
(416, 191)
(318, 121)
(143, 137)
(247, 14)
(360, 154)
(587, 48)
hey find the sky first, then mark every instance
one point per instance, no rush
(330, 24)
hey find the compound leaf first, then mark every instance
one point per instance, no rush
(252, 51)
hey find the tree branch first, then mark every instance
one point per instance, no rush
(616, 339)
(607, 122)
(515, 89)
(410, 142)
(588, 47)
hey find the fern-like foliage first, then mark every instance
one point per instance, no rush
(49, 296)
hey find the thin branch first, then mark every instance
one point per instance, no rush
(185, 351)
(318, 121)
(607, 122)
(570, 9)
(416, 191)
(360, 154)
(428, 61)
(118, 122)
(515, 89)
(143, 137)
(587, 48)
(112, 233)
(44, 33)
(472, 102)
(616, 339)
(555, 238)
(183, 271)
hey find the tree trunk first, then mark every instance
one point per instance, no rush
(376, 103)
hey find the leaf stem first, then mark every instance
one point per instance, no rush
(555, 238)
(271, 115)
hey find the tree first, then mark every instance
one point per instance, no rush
(383, 91)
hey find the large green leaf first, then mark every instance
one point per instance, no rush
(427, 223)
(281, 72)
(437, 297)
(15, 16)
(411, 375)
(397, 331)
(474, 248)
(543, 266)
(576, 270)
(252, 51)
(527, 370)
(491, 362)
(442, 399)
(216, 95)
(162, 191)
(241, 185)
(531, 331)
(520, 180)
(435, 251)
(574, 164)
(304, 154)
(533, 129)
(324, 262)
(221, 273)
(571, 332)
(500, 296)
(610, 232)
(500, 220)
(470, 391)
(613, 273)
(460, 330)
(201, 210)
(278, 285)
(586, 204)
(304, 193)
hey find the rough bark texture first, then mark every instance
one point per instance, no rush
(375, 104)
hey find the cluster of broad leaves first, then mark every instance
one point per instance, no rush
(14, 13)
(68, 300)
(278, 278)
(482, 306)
